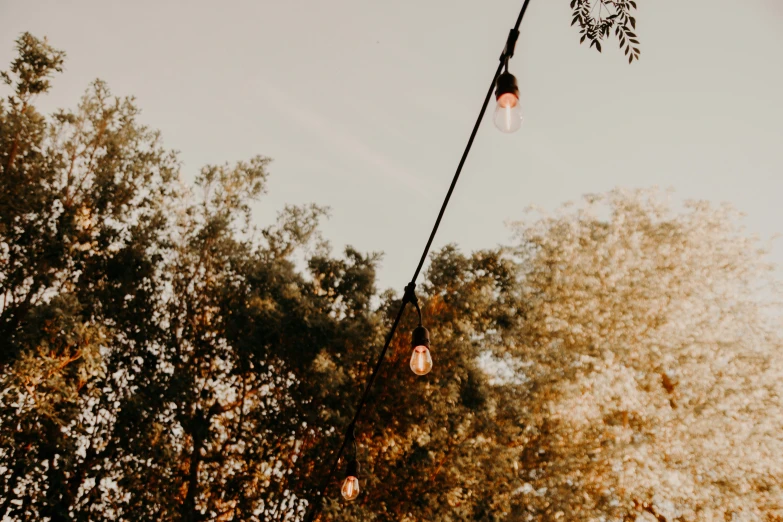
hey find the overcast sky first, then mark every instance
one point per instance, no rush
(365, 106)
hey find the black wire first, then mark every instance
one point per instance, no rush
(352, 436)
(507, 52)
(316, 505)
(410, 292)
(418, 310)
(409, 295)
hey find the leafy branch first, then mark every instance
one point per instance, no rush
(598, 18)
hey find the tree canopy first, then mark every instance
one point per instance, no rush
(162, 358)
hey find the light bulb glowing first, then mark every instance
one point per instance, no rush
(508, 114)
(350, 489)
(421, 361)
(508, 100)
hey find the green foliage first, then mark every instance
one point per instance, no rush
(597, 19)
(162, 359)
(159, 356)
(31, 70)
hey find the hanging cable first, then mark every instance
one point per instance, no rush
(409, 296)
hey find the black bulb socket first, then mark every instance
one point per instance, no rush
(507, 84)
(420, 337)
(353, 468)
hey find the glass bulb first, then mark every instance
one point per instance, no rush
(508, 114)
(350, 488)
(421, 361)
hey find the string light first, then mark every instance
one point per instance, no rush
(507, 95)
(421, 360)
(350, 489)
(508, 114)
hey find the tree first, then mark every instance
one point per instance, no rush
(82, 203)
(149, 337)
(436, 448)
(654, 378)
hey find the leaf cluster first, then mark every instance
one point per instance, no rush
(596, 19)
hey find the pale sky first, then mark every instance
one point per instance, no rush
(365, 106)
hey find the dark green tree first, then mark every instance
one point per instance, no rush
(80, 211)
(158, 353)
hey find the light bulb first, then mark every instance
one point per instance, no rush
(350, 489)
(508, 114)
(421, 360)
